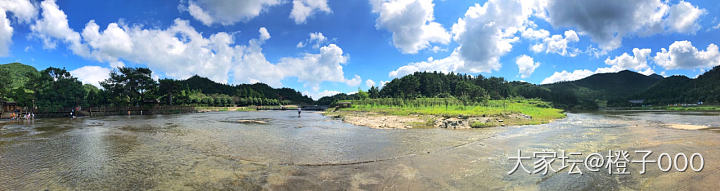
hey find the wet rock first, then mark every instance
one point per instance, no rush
(453, 123)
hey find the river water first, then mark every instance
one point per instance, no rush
(212, 151)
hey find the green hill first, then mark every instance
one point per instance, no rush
(611, 89)
(681, 89)
(18, 74)
(258, 90)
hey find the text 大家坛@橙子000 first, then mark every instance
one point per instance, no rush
(616, 162)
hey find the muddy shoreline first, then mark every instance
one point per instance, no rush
(383, 121)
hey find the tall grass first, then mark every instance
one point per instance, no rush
(540, 111)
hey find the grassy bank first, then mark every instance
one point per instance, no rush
(539, 111)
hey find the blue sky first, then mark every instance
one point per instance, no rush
(321, 47)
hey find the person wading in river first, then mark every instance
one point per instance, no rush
(299, 111)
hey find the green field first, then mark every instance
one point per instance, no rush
(541, 111)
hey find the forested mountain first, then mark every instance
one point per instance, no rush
(259, 90)
(599, 90)
(681, 89)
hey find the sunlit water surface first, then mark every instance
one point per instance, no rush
(213, 151)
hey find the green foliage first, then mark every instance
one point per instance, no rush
(466, 88)
(680, 89)
(130, 86)
(605, 89)
(362, 94)
(18, 75)
(538, 109)
(53, 89)
(478, 124)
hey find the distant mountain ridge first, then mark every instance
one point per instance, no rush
(616, 89)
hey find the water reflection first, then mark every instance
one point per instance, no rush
(210, 151)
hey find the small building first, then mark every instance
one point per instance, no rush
(344, 104)
(7, 108)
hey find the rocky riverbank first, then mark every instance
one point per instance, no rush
(383, 121)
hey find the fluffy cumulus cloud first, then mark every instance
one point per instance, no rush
(637, 62)
(53, 27)
(316, 68)
(683, 55)
(567, 76)
(317, 39)
(487, 32)
(227, 12)
(302, 9)
(180, 51)
(411, 23)
(369, 83)
(23, 11)
(683, 16)
(451, 63)
(484, 34)
(91, 74)
(608, 21)
(557, 44)
(526, 65)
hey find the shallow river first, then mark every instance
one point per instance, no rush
(210, 151)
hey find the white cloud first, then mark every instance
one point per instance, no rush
(180, 51)
(487, 32)
(451, 63)
(567, 76)
(716, 26)
(54, 25)
(526, 65)
(637, 62)
(302, 9)
(6, 32)
(683, 16)
(683, 55)
(23, 12)
(608, 21)
(91, 74)
(317, 39)
(264, 34)
(227, 12)
(382, 84)
(411, 24)
(369, 83)
(316, 68)
(558, 44)
(484, 34)
(531, 33)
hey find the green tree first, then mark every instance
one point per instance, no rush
(130, 85)
(55, 89)
(4, 83)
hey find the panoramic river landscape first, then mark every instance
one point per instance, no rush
(218, 150)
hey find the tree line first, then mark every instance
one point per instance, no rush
(55, 89)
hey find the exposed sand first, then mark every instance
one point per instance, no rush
(686, 126)
(380, 121)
